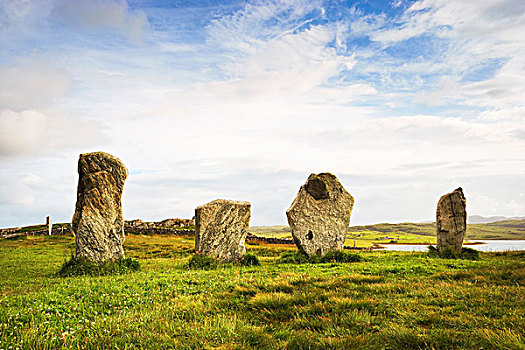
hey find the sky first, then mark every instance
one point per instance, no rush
(403, 101)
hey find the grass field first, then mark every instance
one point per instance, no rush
(392, 300)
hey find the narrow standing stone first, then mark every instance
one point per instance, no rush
(319, 216)
(49, 225)
(98, 224)
(451, 221)
(221, 227)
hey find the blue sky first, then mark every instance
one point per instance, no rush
(402, 100)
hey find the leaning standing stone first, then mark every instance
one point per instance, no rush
(451, 221)
(221, 227)
(98, 224)
(319, 216)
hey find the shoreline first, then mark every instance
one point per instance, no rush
(467, 243)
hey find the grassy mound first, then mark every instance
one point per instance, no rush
(250, 260)
(203, 262)
(337, 256)
(466, 253)
(82, 267)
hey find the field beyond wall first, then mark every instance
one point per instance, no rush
(393, 300)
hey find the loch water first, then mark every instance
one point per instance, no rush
(487, 246)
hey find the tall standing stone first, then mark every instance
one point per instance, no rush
(221, 227)
(49, 225)
(98, 223)
(319, 216)
(451, 221)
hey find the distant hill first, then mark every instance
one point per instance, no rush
(504, 229)
(478, 219)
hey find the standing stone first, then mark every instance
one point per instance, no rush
(451, 221)
(319, 216)
(98, 224)
(221, 227)
(49, 225)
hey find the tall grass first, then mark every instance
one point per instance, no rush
(389, 300)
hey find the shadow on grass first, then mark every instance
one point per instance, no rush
(83, 267)
(465, 254)
(330, 257)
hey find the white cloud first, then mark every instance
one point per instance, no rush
(15, 194)
(471, 19)
(281, 64)
(259, 22)
(449, 92)
(20, 18)
(97, 15)
(34, 18)
(33, 132)
(509, 114)
(31, 85)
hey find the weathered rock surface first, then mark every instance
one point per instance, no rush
(319, 216)
(221, 227)
(451, 221)
(98, 224)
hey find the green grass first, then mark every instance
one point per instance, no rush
(391, 300)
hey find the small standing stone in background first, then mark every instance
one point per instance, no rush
(98, 224)
(319, 216)
(451, 221)
(49, 225)
(221, 227)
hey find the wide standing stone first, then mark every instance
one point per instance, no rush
(98, 224)
(221, 227)
(319, 216)
(451, 221)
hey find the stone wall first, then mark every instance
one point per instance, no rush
(159, 231)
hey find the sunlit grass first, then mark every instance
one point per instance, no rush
(390, 300)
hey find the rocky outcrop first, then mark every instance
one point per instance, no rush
(176, 223)
(221, 227)
(451, 221)
(133, 225)
(319, 216)
(98, 222)
(137, 223)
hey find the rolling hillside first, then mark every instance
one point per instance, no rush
(507, 229)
